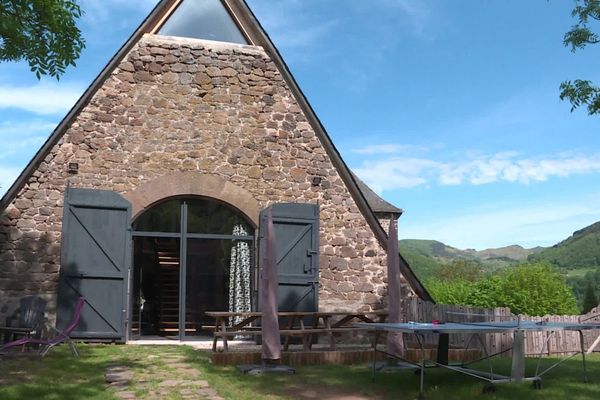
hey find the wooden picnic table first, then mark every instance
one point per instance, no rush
(304, 324)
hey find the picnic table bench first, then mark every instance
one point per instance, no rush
(292, 324)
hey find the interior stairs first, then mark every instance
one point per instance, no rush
(168, 304)
(168, 290)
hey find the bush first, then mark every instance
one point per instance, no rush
(450, 292)
(528, 288)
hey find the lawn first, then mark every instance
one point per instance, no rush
(62, 377)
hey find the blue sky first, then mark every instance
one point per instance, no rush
(448, 109)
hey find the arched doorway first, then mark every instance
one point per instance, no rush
(191, 255)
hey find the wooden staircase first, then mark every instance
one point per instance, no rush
(168, 291)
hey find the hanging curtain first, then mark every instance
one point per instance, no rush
(239, 275)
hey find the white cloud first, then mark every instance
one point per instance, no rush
(13, 147)
(533, 224)
(19, 138)
(406, 172)
(387, 149)
(297, 36)
(100, 11)
(418, 13)
(19, 129)
(43, 98)
(395, 173)
(288, 24)
(7, 176)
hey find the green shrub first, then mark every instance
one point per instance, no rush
(528, 288)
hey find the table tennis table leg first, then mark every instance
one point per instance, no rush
(538, 375)
(545, 345)
(517, 373)
(421, 340)
(582, 344)
(443, 348)
(374, 355)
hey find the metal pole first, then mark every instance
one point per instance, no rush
(182, 271)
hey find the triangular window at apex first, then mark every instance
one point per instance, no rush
(202, 19)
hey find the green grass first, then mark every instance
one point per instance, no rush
(60, 376)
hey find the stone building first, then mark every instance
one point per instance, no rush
(147, 198)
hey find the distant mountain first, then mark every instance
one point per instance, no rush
(577, 257)
(444, 253)
(425, 256)
(579, 251)
(433, 249)
(512, 253)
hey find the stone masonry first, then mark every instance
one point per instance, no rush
(211, 108)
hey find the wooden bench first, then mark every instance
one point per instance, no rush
(292, 325)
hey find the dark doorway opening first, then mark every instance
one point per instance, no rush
(191, 255)
(156, 286)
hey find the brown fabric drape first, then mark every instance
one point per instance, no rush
(271, 345)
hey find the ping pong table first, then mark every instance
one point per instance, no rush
(476, 330)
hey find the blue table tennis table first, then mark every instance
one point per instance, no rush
(476, 330)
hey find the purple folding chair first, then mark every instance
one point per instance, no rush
(59, 338)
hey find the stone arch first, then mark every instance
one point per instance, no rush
(195, 184)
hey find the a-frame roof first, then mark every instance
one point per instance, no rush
(256, 35)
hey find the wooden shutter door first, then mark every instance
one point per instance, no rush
(297, 253)
(95, 258)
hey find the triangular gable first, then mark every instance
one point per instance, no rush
(206, 19)
(256, 35)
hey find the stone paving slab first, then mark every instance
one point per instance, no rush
(176, 379)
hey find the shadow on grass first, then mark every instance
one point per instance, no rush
(355, 382)
(60, 375)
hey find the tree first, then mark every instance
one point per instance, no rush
(582, 92)
(42, 32)
(532, 289)
(527, 288)
(589, 299)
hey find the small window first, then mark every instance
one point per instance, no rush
(203, 19)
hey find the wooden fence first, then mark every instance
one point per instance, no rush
(559, 342)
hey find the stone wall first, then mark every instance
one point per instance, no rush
(216, 109)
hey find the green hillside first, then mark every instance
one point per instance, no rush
(433, 249)
(581, 251)
(577, 257)
(422, 264)
(427, 256)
